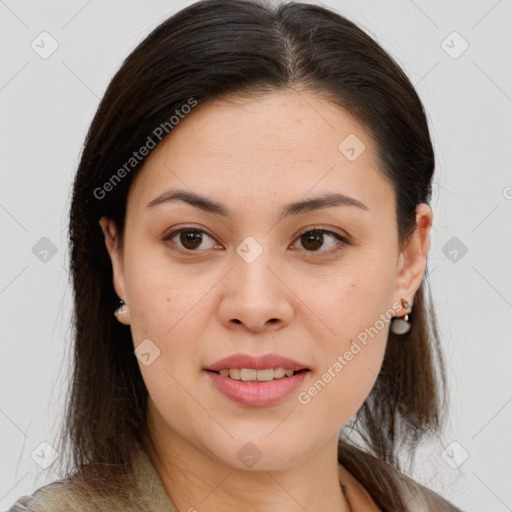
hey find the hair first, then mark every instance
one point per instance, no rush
(216, 49)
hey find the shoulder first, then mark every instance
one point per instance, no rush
(383, 480)
(54, 497)
(98, 487)
(68, 495)
(419, 498)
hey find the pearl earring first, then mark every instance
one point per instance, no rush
(123, 308)
(401, 325)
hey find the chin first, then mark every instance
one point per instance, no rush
(259, 454)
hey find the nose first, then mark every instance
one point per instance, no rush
(257, 296)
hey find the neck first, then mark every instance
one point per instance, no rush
(196, 481)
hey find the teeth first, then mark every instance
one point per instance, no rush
(235, 372)
(247, 374)
(278, 373)
(251, 375)
(264, 375)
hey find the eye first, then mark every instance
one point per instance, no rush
(313, 239)
(190, 239)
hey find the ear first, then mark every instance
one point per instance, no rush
(413, 258)
(115, 252)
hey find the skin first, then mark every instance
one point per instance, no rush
(295, 300)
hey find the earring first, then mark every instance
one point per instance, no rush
(123, 308)
(401, 325)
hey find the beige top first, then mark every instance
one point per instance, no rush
(60, 496)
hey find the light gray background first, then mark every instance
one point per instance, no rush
(47, 106)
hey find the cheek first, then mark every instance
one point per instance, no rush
(343, 380)
(351, 301)
(172, 402)
(163, 297)
(355, 306)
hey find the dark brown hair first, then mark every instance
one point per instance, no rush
(214, 49)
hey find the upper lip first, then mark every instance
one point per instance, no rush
(256, 362)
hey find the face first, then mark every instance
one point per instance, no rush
(309, 288)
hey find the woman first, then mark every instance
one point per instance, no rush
(252, 203)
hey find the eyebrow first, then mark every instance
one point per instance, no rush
(208, 205)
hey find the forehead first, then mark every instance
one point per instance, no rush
(280, 145)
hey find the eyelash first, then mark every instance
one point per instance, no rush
(315, 229)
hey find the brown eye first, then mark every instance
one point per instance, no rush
(314, 239)
(188, 239)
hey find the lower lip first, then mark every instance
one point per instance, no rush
(257, 394)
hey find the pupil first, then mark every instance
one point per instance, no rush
(191, 237)
(312, 236)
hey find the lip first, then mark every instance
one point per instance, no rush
(256, 362)
(256, 394)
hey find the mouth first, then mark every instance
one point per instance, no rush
(256, 381)
(258, 375)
